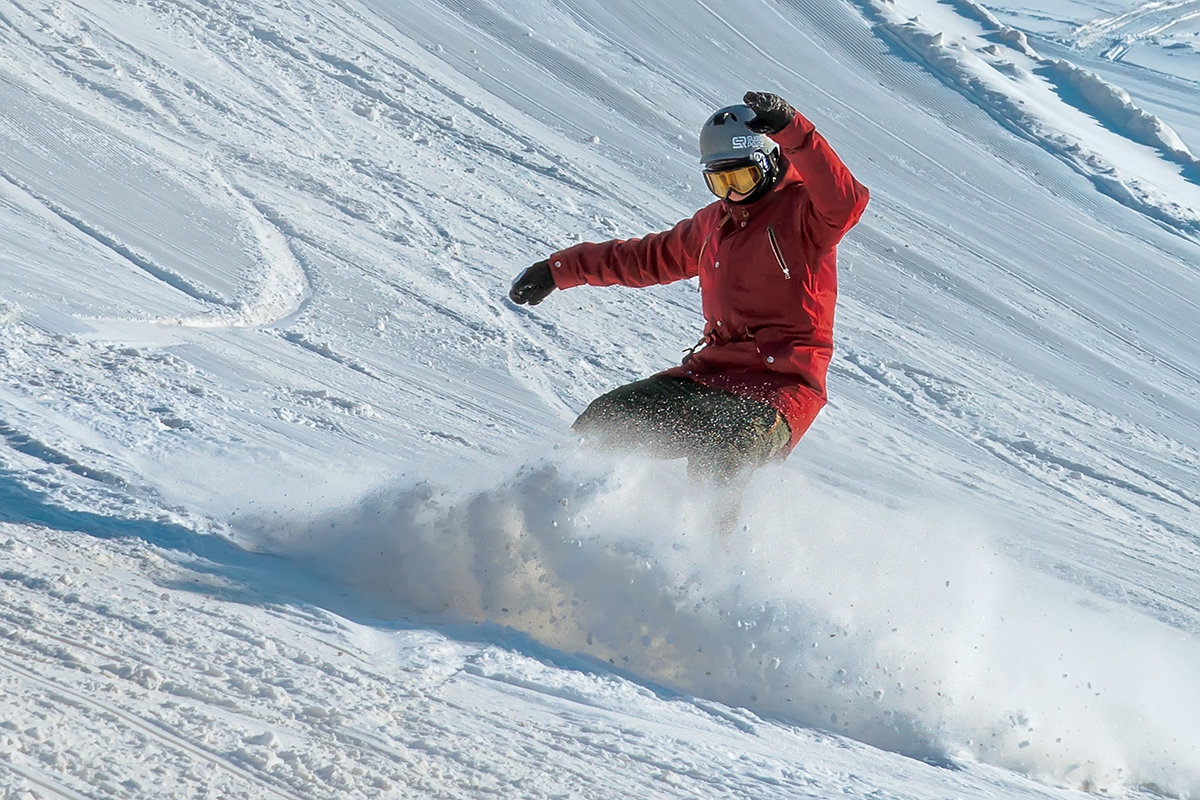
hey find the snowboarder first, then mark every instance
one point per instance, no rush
(765, 253)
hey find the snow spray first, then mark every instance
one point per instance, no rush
(906, 629)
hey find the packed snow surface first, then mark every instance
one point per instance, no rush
(289, 506)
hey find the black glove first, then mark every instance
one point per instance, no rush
(533, 285)
(771, 112)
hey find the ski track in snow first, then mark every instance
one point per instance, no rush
(1111, 37)
(274, 282)
(264, 530)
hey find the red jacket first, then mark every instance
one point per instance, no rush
(768, 277)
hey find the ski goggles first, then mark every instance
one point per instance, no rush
(742, 179)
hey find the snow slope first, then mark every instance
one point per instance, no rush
(288, 506)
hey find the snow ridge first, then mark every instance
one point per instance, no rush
(965, 50)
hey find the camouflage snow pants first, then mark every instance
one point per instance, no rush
(722, 435)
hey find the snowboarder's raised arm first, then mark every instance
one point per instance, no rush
(838, 199)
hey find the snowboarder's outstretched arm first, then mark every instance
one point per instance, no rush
(656, 258)
(664, 257)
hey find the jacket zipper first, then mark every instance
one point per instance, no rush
(787, 273)
(704, 244)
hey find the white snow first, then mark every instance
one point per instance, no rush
(289, 506)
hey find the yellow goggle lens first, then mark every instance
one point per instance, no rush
(743, 179)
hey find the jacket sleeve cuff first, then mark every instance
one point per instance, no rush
(564, 270)
(795, 134)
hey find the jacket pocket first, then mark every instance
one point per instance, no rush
(778, 251)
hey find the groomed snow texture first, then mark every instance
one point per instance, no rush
(289, 502)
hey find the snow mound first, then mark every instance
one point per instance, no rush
(1115, 107)
(905, 629)
(990, 22)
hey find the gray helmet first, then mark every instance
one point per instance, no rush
(725, 137)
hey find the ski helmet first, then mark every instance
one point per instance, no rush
(726, 143)
(725, 137)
